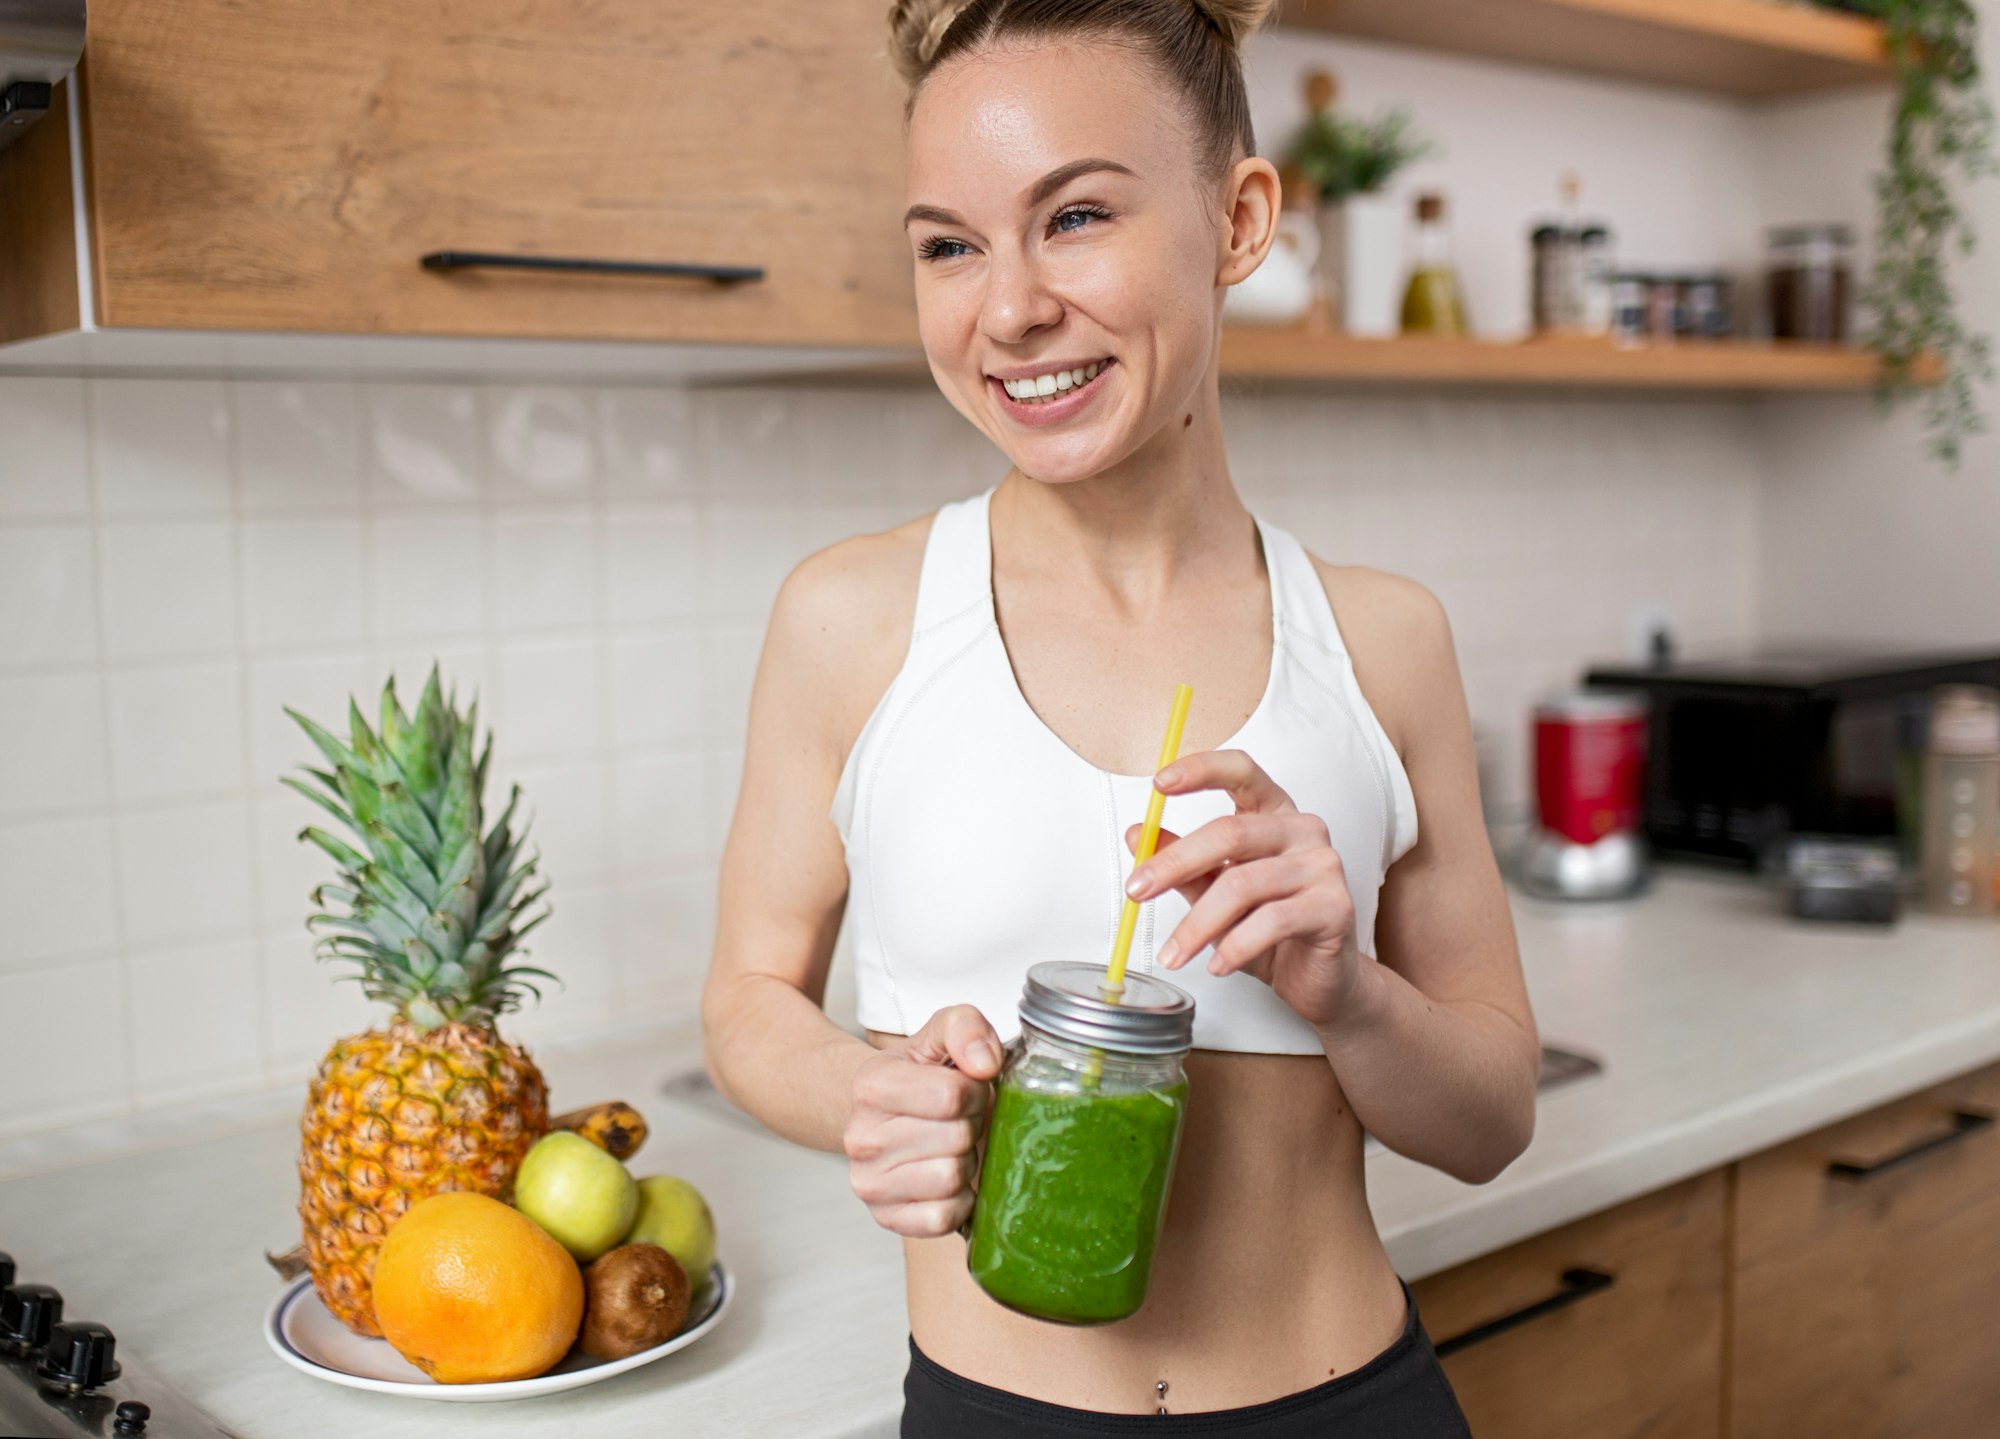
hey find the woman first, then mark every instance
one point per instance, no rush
(950, 736)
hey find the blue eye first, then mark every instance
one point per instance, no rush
(937, 247)
(1082, 213)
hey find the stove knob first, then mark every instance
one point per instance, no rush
(78, 1356)
(6, 1270)
(131, 1417)
(27, 1313)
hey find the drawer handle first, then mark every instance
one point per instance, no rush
(1963, 1122)
(1576, 1284)
(475, 259)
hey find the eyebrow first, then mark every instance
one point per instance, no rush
(1038, 192)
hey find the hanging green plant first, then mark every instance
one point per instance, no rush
(1942, 125)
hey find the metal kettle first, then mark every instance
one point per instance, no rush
(40, 43)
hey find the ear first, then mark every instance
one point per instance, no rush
(1250, 200)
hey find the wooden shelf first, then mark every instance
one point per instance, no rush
(1750, 48)
(1286, 354)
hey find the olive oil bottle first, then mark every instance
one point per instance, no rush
(1432, 304)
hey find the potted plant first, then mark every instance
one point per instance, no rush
(1348, 162)
(1942, 124)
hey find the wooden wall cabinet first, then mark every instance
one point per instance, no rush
(1641, 1355)
(284, 167)
(1867, 1280)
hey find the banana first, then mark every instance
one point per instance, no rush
(614, 1126)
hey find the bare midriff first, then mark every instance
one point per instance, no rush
(1268, 1278)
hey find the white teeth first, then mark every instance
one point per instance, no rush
(1029, 392)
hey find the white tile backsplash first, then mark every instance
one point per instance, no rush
(161, 446)
(652, 563)
(48, 595)
(423, 444)
(184, 872)
(176, 733)
(545, 574)
(65, 1058)
(168, 588)
(58, 878)
(53, 759)
(47, 456)
(298, 445)
(597, 564)
(549, 699)
(299, 582)
(428, 576)
(198, 1034)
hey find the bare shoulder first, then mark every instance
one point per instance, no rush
(841, 624)
(1400, 641)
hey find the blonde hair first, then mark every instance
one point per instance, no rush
(1195, 44)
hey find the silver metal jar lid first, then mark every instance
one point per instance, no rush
(1062, 998)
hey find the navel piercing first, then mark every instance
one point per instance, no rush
(1160, 1390)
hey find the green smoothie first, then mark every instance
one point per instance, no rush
(1070, 1197)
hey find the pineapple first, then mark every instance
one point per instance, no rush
(430, 909)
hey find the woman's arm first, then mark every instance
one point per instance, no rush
(907, 1120)
(1443, 1043)
(1435, 1046)
(829, 653)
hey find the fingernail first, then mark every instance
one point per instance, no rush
(1169, 952)
(1138, 884)
(1171, 775)
(987, 1052)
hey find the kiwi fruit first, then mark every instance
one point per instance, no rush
(634, 1296)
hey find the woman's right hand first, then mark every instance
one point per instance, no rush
(912, 1136)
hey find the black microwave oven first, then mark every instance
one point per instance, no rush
(1745, 751)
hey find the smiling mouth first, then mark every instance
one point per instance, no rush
(1043, 388)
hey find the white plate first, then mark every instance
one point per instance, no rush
(303, 1332)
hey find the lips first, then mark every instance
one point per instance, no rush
(1051, 409)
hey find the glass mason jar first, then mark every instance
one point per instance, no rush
(1080, 1147)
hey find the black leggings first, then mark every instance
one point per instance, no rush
(1399, 1394)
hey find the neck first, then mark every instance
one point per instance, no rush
(1140, 526)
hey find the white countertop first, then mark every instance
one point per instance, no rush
(1724, 1028)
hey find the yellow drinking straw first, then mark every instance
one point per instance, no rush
(1149, 837)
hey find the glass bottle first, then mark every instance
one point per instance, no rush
(1961, 806)
(1080, 1147)
(1810, 276)
(1431, 302)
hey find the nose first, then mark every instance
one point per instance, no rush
(1017, 302)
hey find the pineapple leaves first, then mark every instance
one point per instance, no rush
(326, 803)
(347, 858)
(432, 905)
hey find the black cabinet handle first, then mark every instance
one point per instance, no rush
(1963, 1122)
(476, 259)
(1576, 1284)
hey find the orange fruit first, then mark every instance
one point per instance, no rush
(472, 1291)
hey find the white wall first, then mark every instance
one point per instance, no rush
(1864, 538)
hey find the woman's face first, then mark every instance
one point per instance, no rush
(1060, 224)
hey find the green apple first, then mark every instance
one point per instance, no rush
(583, 1197)
(673, 1215)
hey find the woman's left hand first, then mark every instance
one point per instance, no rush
(1263, 886)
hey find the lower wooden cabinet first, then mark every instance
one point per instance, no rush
(1867, 1283)
(1537, 1343)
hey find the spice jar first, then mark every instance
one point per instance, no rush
(1810, 275)
(1080, 1147)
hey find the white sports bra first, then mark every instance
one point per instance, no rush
(979, 843)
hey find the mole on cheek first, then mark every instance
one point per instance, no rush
(1188, 421)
